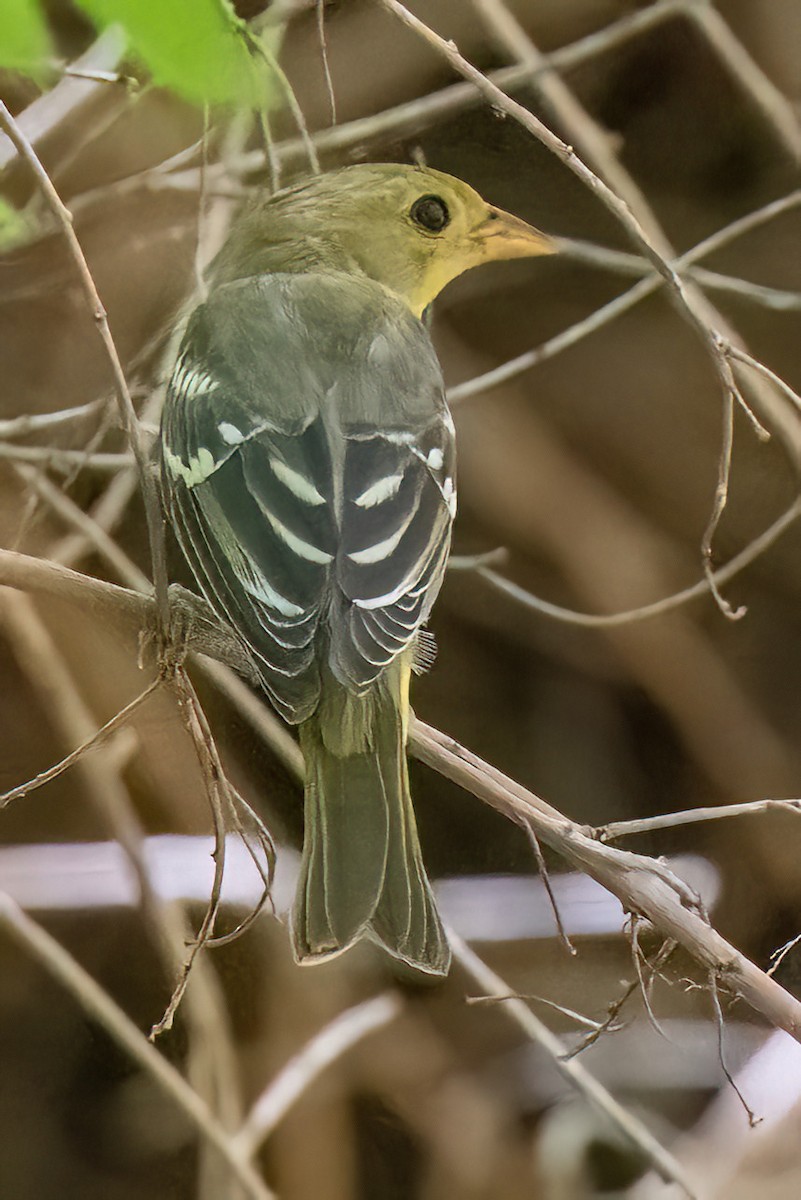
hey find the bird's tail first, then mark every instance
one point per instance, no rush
(362, 873)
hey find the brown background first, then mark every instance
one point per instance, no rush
(596, 473)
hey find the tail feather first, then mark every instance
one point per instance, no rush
(362, 872)
(406, 918)
(344, 849)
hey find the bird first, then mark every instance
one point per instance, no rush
(308, 471)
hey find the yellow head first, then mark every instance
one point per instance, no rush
(412, 229)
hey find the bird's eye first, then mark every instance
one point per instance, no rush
(431, 213)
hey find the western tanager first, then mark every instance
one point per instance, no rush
(308, 467)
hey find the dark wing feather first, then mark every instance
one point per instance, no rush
(308, 464)
(393, 551)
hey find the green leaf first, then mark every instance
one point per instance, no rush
(15, 227)
(196, 47)
(24, 40)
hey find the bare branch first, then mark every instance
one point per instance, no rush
(642, 885)
(776, 108)
(692, 816)
(60, 503)
(415, 116)
(622, 263)
(778, 956)
(714, 992)
(63, 460)
(108, 510)
(607, 620)
(719, 505)
(329, 83)
(118, 721)
(98, 1004)
(688, 303)
(641, 1137)
(325, 1048)
(54, 108)
(125, 403)
(639, 959)
(627, 300)
(741, 356)
(121, 609)
(530, 998)
(32, 422)
(220, 801)
(590, 140)
(546, 881)
(262, 50)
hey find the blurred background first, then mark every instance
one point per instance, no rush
(591, 473)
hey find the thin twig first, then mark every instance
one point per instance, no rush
(32, 422)
(219, 799)
(637, 1133)
(718, 508)
(125, 403)
(591, 141)
(259, 716)
(109, 509)
(610, 1023)
(63, 459)
(266, 874)
(627, 300)
(748, 360)
(59, 502)
(692, 816)
(776, 108)
(273, 159)
(546, 880)
(201, 291)
(637, 957)
(262, 50)
(778, 956)
(62, 105)
(620, 262)
(118, 721)
(714, 993)
(325, 1048)
(531, 998)
(748, 223)
(329, 83)
(555, 345)
(569, 616)
(642, 885)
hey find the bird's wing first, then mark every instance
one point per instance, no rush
(398, 505)
(309, 467)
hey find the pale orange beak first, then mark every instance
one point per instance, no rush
(502, 235)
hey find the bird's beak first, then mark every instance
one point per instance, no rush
(502, 235)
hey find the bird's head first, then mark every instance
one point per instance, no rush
(411, 229)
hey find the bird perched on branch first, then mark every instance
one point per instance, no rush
(308, 468)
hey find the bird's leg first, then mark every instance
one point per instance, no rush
(195, 628)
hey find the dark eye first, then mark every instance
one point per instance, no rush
(431, 213)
